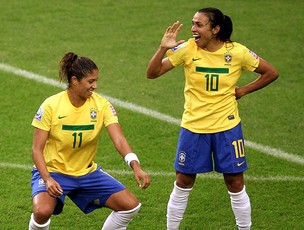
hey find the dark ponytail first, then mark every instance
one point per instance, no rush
(73, 65)
(216, 17)
(226, 29)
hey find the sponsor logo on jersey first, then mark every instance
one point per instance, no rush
(196, 59)
(39, 114)
(61, 117)
(253, 54)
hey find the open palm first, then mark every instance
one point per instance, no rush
(169, 38)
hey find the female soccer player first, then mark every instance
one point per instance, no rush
(211, 128)
(67, 129)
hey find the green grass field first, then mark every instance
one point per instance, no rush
(121, 36)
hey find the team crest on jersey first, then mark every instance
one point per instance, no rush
(93, 114)
(181, 158)
(253, 54)
(38, 115)
(228, 58)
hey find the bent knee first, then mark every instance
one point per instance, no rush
(130, 199)
(134, 210)
(42, 213)
(122, 201)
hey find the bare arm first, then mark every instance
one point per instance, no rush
(267, 75)
(39, 141)
(123, 147)
(159, 65)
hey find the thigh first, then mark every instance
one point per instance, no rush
(43, 206)
(95, 189)
(193, 154)
(122, 201)
(229, 152)
(39, 189)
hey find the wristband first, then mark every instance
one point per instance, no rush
(130, 157)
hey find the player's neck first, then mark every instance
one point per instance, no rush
(214, 46)
(75, 99)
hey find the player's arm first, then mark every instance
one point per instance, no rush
(123, 147)
(39, 141)
(267, 75)
(159, 65)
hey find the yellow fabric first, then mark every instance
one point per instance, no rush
(73, 132)
(210, 81)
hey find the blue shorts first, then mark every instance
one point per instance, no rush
(222, 152)
(88, 192)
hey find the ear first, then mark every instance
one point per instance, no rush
(216, 29)
(74, 80)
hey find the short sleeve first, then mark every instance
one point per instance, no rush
(178, 54)
(110, 115)
(250, 61)
(43, 117)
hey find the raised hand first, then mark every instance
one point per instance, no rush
(169, 38)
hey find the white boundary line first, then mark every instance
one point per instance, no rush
(212, 175)
(163, 117)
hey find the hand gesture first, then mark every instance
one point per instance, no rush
(141, 177)
(169, 38)
(53, 187)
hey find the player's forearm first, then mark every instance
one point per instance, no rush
(155, 64)
(262, 81)
(267, 75)
(40, 164)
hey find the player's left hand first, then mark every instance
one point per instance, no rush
(141, 177)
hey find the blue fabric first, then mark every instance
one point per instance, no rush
(81, 190)
(222, 152)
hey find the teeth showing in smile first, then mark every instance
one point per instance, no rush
(196, 36)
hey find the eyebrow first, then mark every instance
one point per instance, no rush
(199, 22)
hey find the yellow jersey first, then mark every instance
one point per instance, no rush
(73, 132)
(210, 81)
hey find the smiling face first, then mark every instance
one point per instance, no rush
(84, 88)
(202, 31)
